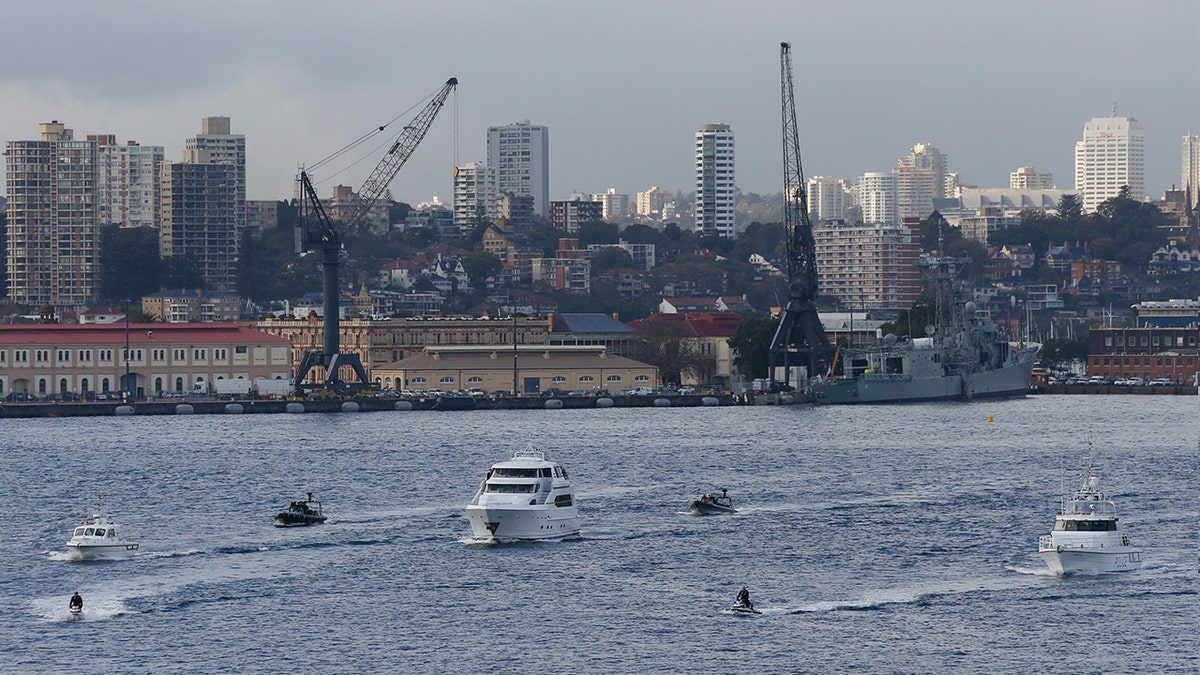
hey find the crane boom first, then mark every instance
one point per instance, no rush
(800, 339)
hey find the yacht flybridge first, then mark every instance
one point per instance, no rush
(524, 498)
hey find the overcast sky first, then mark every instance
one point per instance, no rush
(622, 85)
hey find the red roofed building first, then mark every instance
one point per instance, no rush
(85, 360)
(710, 332)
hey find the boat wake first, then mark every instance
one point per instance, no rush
(905, 596)
(95, 608)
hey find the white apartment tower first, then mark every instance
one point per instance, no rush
(920, 178)
(715, 192)
(474, 195)
(128, 182)
(1110, 156)
(876, 195)
(224, 147)
(1191, 164)
(53, 231)
(828, 198)
(650, 203)
(519, 154)
(615, 206)
(1029, 178)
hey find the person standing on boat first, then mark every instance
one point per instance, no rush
(76, 601)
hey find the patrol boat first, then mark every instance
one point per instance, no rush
(97, 537)
(1087, 536)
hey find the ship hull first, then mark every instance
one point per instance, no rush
(1007, 382)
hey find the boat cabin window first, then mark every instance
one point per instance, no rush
(515, 473)
(564, 500)
(79, 532)
(88, 532)
(506, 487)
(1086, 525)
(560, 472)
(99, 531)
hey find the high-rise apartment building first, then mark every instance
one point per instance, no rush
(828, 198)
(1191, 164)
(569, 214)
(224, 147)
(615, 205)
(1110, 156)
(920, 178)
(715, 191)
(474, 195)
(53, 232)
(868, 265)
(127, 184)
(876, 196)
(650, 203)
(519, 153)
(199, 218)
(1029, 178)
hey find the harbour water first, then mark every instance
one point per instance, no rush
(885, 539)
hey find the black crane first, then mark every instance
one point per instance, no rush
(314, 232)
(800, 339)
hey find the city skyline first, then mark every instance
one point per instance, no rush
(623, 99)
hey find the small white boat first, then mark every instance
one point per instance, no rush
(524, 498)
(98, 537)
(1087, 537)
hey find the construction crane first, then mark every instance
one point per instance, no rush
(315, 232)
(800, 339)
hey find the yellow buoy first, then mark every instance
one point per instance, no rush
(989, 418)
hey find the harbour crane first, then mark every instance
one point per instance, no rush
(800, 339)
(315, 233)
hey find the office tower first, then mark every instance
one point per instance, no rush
(920, 178)
(868, 265)
(224, 147)
(828, 198)
(1110, 156)
(519, 153)
(1028, 178)
(53, 233)
(128, 182)
(715, 192)
(474, 195)
(1191, 164)
(875, 194)
(199, 218)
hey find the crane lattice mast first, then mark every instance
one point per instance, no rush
(800, 339)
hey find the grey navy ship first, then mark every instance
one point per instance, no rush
(963, 355)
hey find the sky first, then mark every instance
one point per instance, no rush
(622, 85)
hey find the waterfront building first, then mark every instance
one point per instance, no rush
(199, 218)
(223, 147)
(53, 233)
(1028, 178)
(707, 334)
(1147, 352)
(1110, 156)
(127, 182)
(876, 195)
(1191, 164)
(192, 305)
(868, 265)
(716, 195)
(828, 198)
(474, 195)
(68, 361)
(519, 153)
(617, 338)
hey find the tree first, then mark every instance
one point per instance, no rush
(480, 267)
(1062, 352)
(596, 232)
(611, 258)
(751, 344)
(130, 266)
(668, 345)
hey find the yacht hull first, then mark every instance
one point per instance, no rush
(1063, 561)
(101, 551)
(523, 523)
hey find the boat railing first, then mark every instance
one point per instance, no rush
(894, 377)
(1045, 542)
(530, 451)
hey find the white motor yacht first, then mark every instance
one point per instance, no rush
(1087, 536)
(97, 537)
(524, 498)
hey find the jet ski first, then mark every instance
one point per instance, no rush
(739, 608)
(76, 612)
(711, 505)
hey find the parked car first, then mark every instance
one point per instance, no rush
(1161, 382)
(641, 391)
(686, 390)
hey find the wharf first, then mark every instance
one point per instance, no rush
(1115, 389)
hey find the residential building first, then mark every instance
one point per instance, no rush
(224, 147)
(474, 195)
(145, 359)
(876, 194)
(519, 153)
(868, 265)
(920, 178)
(512, 248)
(53, 227)
(569, 214)
(127, 182)
(570, 274)
(183, 305)
(1191, 164)
(346, 205)
(650, 203)
(615, 206)
(1110, 156)
(435, 217)
(986, 221)
(829, 198)
(643, 255)
(1028, 178)
(261, 215)
(516, 211)
(199, 218)
(715, 192)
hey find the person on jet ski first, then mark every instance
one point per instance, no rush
(76, 601)
(743, 599)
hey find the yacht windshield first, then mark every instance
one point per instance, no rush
(507, 487)
(515, 473)
(1085, 525)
